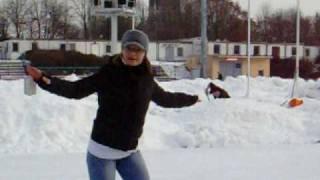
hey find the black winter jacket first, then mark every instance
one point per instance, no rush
(124, 93)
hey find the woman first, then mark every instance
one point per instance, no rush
(125, 87)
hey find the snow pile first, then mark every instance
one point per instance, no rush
(46, 123)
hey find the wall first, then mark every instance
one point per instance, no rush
(263, 49)
(157, 50)
(289, 51)
(256, 65)
(261, 63)
(223, 48)
(314, 52)
(213, 67)
(243, 48)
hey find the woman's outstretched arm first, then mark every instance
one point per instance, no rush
(172, 99)
(77, 89)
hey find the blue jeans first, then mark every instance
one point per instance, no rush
(130, 168)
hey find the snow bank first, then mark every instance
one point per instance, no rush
(47, 123)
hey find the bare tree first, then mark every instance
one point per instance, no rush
(226, 20)
(164, 18)
(68, 28)
(141, 9)
(56, 19)
(45, 15)
(316, 28)
(16, 11)
(38, 16)
(4, 24)
(263, 22)
(82, 10)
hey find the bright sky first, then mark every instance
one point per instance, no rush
(308, 7)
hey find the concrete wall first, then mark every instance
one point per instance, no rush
(262, 47)
(213, 67)
(223, 48)
(186, 48)
(289, 51)
(314, 52)
(243, 48)
(256, 66)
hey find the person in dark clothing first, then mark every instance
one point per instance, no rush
(124, 86)
(220, 77)
(216, 91)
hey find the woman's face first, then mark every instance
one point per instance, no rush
(133, 55)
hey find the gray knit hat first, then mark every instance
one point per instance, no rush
(135, 37)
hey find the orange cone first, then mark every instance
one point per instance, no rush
(295, 102)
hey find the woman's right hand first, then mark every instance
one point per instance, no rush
(34, 72)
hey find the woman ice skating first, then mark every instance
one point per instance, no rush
(125, 87)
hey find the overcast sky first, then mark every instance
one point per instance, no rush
(308, 7)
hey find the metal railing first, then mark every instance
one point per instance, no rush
(12, 69)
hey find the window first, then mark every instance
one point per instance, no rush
(238, 65)
(261, 73)
(96, 2)
(216, 49)
(108, 4)
(293, 51)
(236, 50)
(34, 46)
(256, 50)
(131, 3)
(180, 51)
(108, 49)
(62, 47)
(72, 47)
(307, 52)
(15, 47)
(121, 2)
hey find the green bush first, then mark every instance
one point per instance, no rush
(65, 62)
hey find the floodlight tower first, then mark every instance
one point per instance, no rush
(113, 9)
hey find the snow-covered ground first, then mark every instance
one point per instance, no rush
(45, 136)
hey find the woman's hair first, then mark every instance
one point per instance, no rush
(147, 64)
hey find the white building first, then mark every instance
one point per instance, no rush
(263, 49)
(162, 51)
(13, 48)
(170, 55)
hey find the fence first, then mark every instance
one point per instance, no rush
(12, 69)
